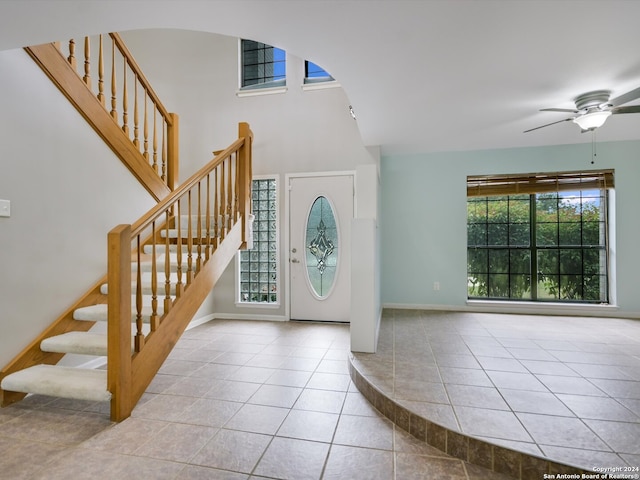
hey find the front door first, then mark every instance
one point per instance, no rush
(320, 213)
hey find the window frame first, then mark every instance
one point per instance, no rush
(526, 188)
(261, 88)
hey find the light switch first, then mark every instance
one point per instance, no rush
(5, 208)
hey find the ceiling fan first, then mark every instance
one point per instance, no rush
(593, 109)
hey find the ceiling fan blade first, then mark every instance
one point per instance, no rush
(549, 124)
(629, 109)
(625, 98)
(566, 110)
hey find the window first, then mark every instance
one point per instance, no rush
(259, 266)
(538, 237)
(315, 74)
(263, 66)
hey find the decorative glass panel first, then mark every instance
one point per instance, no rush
(321, 242)
(260, 284)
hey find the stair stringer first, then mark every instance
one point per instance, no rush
(159, 344)
(65, 78)
(33, 355)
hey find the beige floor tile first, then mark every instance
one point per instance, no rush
(288, 458)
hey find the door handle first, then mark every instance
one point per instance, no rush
(295, 260)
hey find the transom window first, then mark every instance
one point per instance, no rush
(541, 237)
(263, 65)
(259, 266)
(315, 74)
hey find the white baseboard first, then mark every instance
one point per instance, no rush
(249, 316)
(528, 308)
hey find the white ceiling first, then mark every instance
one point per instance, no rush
(423, 75)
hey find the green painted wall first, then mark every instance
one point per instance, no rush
(423, 218)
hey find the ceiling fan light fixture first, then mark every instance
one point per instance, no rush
(592, 120)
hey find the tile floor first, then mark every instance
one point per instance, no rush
(238, 400)
(567, 389)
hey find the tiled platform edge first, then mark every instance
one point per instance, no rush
(519, 465)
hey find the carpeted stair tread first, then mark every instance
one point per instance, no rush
(81, 343)
(98, 313)
(147, 265)
(161, 248)
(56, 381)
(173, 233)
(146, 284)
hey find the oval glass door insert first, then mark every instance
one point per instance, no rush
(322, 247)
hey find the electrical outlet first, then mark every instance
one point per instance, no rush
(436, 286)
(5, 208)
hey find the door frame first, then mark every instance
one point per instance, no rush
(287, 218)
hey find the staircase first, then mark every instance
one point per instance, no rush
(91, 384)
(160, 269)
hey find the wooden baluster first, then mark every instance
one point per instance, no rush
(87, 62)
(155, 139)
(230, 220)
(208, 221)
(164, 151)
(216, 208)
(101, 73)
(179, 286)
(199, 230)
(72, 54)
(155, 319)
(189, 244)
(223, 205)
(139, 339)
(125, 98)
(145, 131)
(167, 272)
(114, 101)
(136, 142)
(236, 190)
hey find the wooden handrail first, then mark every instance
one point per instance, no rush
(221, 192)
(124, 50)
(161, 207)
(155, 166)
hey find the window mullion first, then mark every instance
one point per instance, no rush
(533, 246)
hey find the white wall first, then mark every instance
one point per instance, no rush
(67, 190)
(424, 233)
(196, 75)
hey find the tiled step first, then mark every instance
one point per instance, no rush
(55, 381)
(516, 464)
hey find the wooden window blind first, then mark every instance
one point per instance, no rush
(490, 185)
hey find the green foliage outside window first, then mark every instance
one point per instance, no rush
(549, 246)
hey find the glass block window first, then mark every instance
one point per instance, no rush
(263, 66)
(315, 74)
(541, 246)
(259, 266)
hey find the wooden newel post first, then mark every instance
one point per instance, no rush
(119, 322)
(173, 135)
(244, 173)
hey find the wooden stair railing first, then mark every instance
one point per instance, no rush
(216, 202)
(148, 143)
